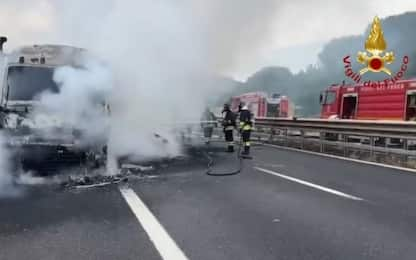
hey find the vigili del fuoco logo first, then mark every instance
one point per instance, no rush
(375, 59)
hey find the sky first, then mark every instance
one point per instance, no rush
(297, 33)
(302, 28)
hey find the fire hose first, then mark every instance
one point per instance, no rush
(210, 172)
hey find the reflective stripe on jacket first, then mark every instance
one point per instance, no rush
(244, 126)
(245, 120)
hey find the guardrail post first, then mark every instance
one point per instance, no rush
(345, 142)
(259, 132)
(372, 144)
(321, 141)
(272, 134)
(405, 148)
(286, 136)
(405, 144)
(302, 139)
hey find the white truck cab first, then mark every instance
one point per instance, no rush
(24, 74)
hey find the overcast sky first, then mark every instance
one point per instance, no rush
(298, 30)
(302, 28)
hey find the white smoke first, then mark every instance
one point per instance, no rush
(7, 187)
(164, 57)
(81, 100)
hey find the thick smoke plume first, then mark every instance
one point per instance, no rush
(164, 58)
(81, 102)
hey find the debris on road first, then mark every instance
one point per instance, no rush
(127, 171)
(85, 182)
(136, 167)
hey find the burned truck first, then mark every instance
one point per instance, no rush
(40, 144)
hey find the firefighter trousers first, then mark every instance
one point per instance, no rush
(245, 135)
(208, 131)
(229, 138)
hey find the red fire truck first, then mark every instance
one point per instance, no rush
(263, 105)
(392, 101)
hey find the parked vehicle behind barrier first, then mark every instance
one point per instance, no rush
(394, 101)
(263, 105)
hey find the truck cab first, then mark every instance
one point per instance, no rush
(392, 101)
(329, 101)
(263, 105)
(28, 71)
(39, 143)
(273, 105)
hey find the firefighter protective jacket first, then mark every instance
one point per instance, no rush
(229, 120)
(245, 120)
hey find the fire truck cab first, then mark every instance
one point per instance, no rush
(393, 101)
(263, 105)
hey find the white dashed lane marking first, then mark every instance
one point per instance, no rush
(160, 238)
(309, 184)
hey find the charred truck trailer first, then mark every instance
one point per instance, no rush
(36, 146)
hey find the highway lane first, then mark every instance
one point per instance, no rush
(380, 185)
(51, 224)
(259, 216)
(293, 214)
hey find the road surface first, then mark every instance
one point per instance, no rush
(283, 205)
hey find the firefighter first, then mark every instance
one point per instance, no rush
(246, 125)
(229, 125)
(208, 122)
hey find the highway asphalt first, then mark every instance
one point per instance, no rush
(283, 205)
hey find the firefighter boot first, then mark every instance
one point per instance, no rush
(230, 149)
(246, 150)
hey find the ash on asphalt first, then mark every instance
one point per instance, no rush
(194, 158)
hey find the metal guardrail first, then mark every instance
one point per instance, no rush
(390, 129)
(389, 142)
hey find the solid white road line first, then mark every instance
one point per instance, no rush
(318, 187)
(166, 246)
(342, 158)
